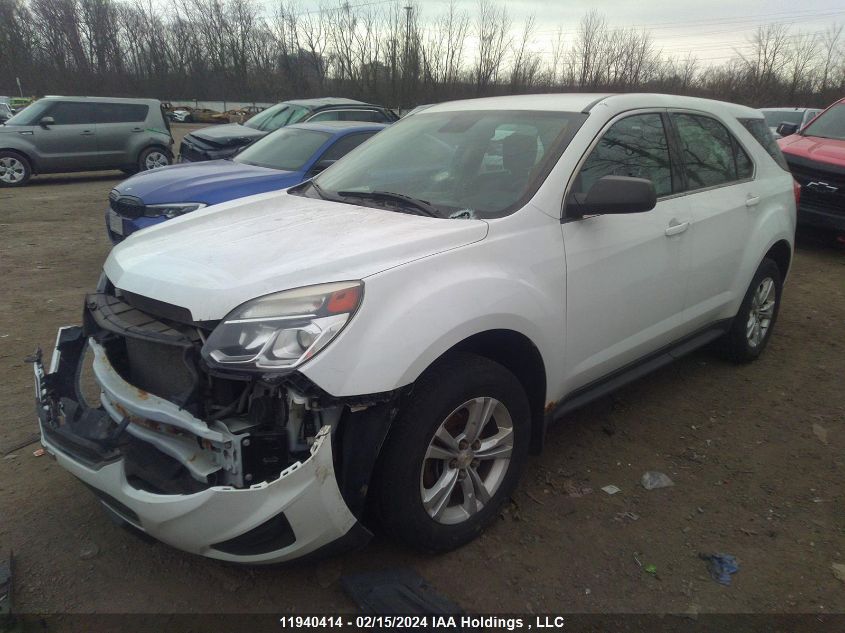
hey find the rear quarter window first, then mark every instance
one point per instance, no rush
(763, 135)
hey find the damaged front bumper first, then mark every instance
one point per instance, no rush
(299, 512)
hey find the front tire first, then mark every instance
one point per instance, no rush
(15, 169)
(152, 158)
(752, 327)
(454, 454)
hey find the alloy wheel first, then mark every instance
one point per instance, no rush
(466, 460)
(761, 312)
(156, 159)
(12, 171)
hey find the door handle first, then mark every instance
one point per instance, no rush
(137, 129)
(86, 133)
(676, 227)
(752, 201)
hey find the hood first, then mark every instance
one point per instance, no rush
(215, 259)
(825, 150)
(230, 134)
(210, 182)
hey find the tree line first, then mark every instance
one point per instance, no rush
(380, 51)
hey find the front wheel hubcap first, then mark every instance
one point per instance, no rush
(156, 159)
(761, 312)
(466, 460)
(11, 170)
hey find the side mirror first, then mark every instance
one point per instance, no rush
(787, 129)
(320, 165)
(47, 121)
(613, 195)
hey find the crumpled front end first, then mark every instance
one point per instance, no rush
(235, 467)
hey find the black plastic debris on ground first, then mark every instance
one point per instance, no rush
(396, 592)
(6, 618)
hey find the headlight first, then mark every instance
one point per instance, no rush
(172, 210)
(284, 329)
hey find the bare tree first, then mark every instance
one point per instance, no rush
(493, 32)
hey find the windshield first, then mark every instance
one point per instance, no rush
(288, 149)
(461, 164)
(31, 114)
(276, 116)
(829, 124)
(776, 117)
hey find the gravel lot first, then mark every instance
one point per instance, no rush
(756, 453)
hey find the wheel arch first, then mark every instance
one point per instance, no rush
(33, 165)
(519, 355)
(781, 253)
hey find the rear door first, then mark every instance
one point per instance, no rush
(70, 144)
(626, 274)
(117, 125)
(723, 198)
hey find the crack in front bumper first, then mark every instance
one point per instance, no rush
(306, 494)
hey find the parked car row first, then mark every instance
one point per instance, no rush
(226, 140)
(392, 336)
(188, 114)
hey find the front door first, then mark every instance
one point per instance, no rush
(626, 274)
(70, 143)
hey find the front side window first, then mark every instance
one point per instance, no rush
(636, 147)
(829, 124)
(711, 156)
(345, 145)
(329, 115)
(288, 149)
(470, 163)
(71, 113)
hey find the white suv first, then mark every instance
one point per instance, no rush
(396, 334)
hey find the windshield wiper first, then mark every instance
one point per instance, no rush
(423, 206)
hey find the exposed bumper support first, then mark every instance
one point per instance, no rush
(296, 514)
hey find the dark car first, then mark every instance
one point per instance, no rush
(223, 141)
(279, 160)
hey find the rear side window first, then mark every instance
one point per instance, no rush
(763, 135)
(710, 154)
(71, 113)
(121, 112)
(637, 147)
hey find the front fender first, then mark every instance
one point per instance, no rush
(414, 313)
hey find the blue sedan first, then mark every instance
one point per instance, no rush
(280, 160)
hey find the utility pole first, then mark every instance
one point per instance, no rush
(406, 71)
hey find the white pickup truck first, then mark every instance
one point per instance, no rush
(397, 333)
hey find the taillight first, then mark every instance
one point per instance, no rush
(796, 189)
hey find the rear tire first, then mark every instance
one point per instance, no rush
(752, 327)
(443, 476)
(15, 169)
(154, 157)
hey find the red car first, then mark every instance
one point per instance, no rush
(816, 157)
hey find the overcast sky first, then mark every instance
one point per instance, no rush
(710, 29)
